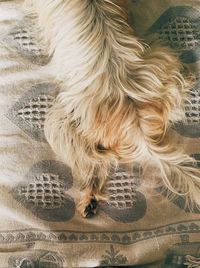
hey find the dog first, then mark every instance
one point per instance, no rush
(118, 98)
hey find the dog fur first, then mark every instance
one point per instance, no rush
(118, 97)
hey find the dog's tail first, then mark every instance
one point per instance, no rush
(161, 94)
(177, 170)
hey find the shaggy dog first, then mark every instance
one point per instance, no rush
(117, 101)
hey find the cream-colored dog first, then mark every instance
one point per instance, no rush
(118, 97)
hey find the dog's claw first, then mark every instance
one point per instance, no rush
(91, 209)
(94, 203)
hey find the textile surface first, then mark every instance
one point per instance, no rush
(39, 225)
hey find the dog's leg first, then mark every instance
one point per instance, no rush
(88, 205)
(63, 134)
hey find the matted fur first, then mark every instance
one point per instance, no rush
(118, 96)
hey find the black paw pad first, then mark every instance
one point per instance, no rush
(90, 210)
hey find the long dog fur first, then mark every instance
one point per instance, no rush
(118, 96)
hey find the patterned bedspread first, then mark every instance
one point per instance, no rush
(39, 225)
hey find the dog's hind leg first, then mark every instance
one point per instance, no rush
(89, 202)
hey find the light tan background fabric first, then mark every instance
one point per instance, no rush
(39, 224)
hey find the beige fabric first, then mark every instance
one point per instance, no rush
(39, 225)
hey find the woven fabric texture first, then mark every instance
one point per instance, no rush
(40, 226)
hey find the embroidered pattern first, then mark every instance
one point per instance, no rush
(126, 203)
(113, 257)
(24, 41)
(178, 27)
(124, 238)
(38, 259)
(191, 127)
(44, 191)
(181, 33)
(30, 110)
(183, 254)
(34, 112)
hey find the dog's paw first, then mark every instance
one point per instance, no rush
(91, 208)
(88, 207)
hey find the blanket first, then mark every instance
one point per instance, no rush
(39, 223)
